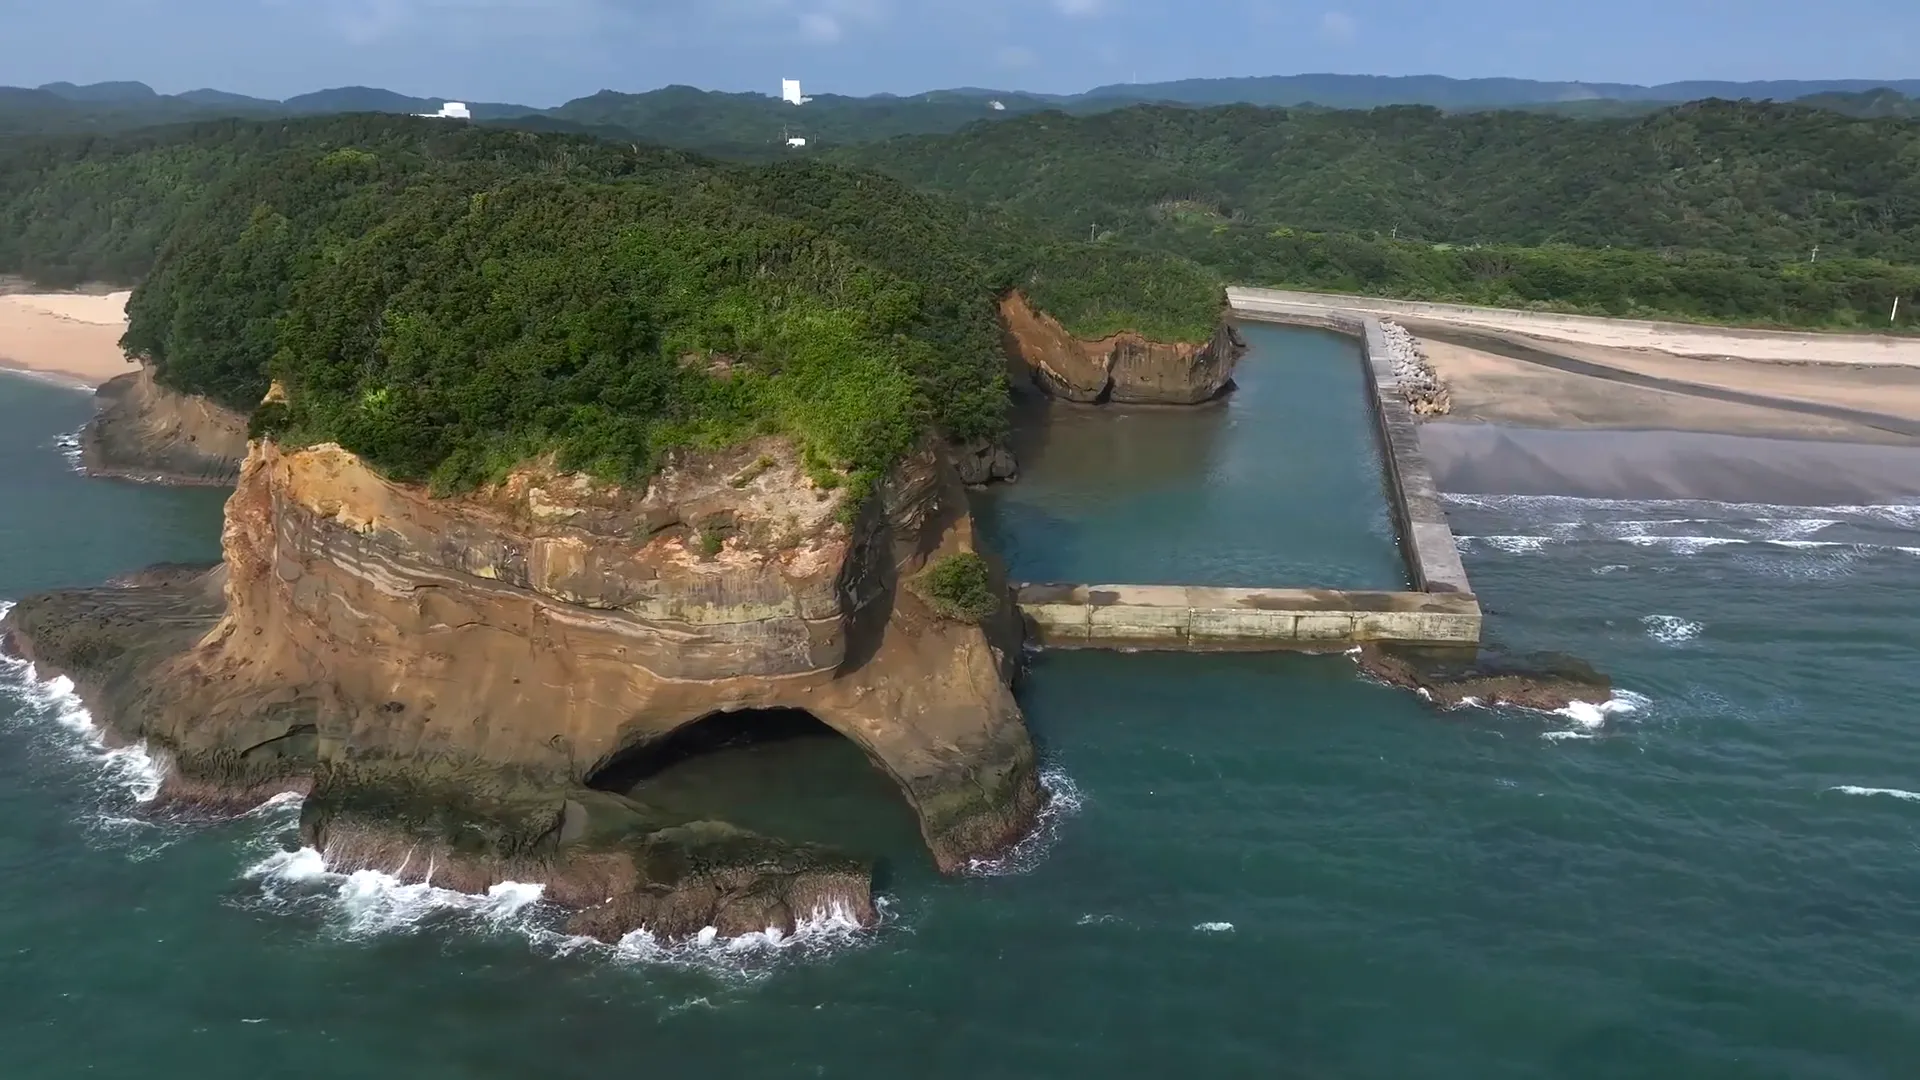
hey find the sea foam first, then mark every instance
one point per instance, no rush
(1670, 629)
(1850, 789)
(1063, 802)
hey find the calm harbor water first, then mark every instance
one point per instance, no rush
(1263, 866)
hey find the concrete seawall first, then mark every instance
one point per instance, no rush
(1433, 561)
(1201, 618)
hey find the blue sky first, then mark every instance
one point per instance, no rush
(542, 52)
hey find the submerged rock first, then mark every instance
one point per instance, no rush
(1125, 368)
(446, 678)
(144, 431)
(1450, 678)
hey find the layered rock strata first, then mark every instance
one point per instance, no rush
(1125, 369)
(446, 677)
(144, 431)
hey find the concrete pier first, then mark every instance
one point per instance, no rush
(1440, 611)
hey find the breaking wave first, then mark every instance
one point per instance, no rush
(1670, 629)
(1063, 802)
(1590, 719)
(1850, 789)
(69, 447)
(363, 904)
(1214, 927)
(131, 770)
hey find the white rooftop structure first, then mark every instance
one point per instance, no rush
(795, 140)
(452, 110)
(790, 92)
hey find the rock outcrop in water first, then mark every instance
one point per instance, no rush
(1125, 368)
(144, 431)
(446, 678)
(1451, 678)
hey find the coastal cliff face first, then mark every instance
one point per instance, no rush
(447, 677)
(1125, 368)
(144, 431)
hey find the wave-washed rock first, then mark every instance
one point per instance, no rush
(1449, 678)
(446, 679)
(142, 430)
(1125, 369)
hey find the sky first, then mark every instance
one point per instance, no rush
(544, 52)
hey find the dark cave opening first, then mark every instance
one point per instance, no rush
(780, 772)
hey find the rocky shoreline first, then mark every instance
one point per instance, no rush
(1425, 392)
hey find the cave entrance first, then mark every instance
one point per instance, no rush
(781, 772)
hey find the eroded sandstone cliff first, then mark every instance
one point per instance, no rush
(446, 677)
(144, 431)
(1125, 368)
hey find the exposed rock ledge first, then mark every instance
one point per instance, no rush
(446, 677)
(144, 431)
(1450, 677)
(1125, 368)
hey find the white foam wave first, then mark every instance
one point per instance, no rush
(1905, 515)
(133, 768)
(1670, 629)
(1850, 789)
(1063, 802)
(69, 447)
(1611, 568)
(1682, 545)
(1512, 545)
(1589, 718)
(1214, 927)
(372, 902)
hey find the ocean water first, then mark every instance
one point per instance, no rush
(1257, 866)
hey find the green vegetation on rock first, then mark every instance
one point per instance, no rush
(958, 586)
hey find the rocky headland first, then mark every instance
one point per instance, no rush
(145, 431)
(447, 678)
(1123, 369)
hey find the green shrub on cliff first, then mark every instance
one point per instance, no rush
(958, 586)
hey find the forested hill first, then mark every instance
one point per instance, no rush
(447, 300)
(1707, 211)
(1741, 178)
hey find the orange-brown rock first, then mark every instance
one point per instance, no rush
(449, 675)
(1125, 368)
(144, 431)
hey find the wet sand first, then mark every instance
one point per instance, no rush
(71, 337)
(1493, 459)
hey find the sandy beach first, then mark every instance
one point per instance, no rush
(74, 337)
(1678, 339)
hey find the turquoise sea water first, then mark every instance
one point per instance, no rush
(1262, 866)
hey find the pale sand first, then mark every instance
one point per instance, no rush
(72, 336)
(1680, 339)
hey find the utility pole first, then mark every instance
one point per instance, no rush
(1895, 317)
(1090, 232)
(1816, 253)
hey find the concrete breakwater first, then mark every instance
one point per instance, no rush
(1440, 609)
(1205, 618)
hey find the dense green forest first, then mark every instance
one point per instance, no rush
(1709, 211)
(448, 299)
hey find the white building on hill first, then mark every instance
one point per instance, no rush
(790, 92)
(452, 110)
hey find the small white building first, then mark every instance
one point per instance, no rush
(790, 92)
(452, 110)
(996, 106)
(796, 141)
